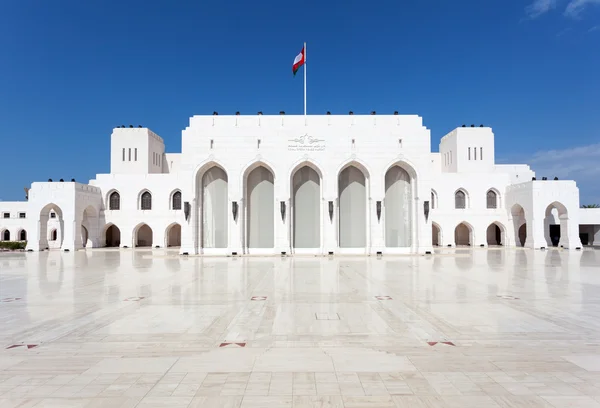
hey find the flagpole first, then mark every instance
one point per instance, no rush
(304, 81)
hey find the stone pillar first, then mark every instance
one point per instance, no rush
(330, 241)
(188, 231)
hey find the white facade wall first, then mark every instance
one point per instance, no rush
(15, 223)
(283, 144)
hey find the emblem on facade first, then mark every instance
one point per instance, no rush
(306, 143)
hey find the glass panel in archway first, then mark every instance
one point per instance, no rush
(306, 208)
(398, 198)
(260, 199)
(353, 208)
(214, 208)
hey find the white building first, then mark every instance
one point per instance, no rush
(303, 185)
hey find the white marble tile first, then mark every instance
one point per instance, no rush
(132, 365)
(524, 325)
(587, 362)
(221, 360)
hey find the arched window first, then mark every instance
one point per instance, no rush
(492, 199)
(433, 200)
(23, 235)
(146, 201)
(460, 200)
(6, 235)
(176, 205)
(114, 201)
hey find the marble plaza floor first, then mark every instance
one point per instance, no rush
(147, 328)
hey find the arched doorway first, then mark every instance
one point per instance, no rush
(143, 236)
(214, 202)
(522, 235)
(306, 208)
(398, 203)
(463, 235)
(436, 234)
(352, 196)
(90, 234)
(556, 222)
(518, 218)
(84, 236)
(113, 236)
(22, 235)
(51, 227)
(173, 235)
(260, 208)
(495, 234)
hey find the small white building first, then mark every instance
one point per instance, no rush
(331, 184)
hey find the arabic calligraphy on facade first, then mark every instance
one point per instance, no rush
(306, 143)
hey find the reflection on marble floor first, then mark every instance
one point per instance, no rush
(147, 328)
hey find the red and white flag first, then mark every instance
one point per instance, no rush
(298, 62)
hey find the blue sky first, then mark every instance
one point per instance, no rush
(70, 71)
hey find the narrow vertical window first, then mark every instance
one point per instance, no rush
(475, 152)
(130, 154)
(135, 152)
(469, 153)
(450, 156)
(123, 154)
(481, 153)
(153, 158)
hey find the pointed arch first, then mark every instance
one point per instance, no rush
(211, 187)
(492, 199)
(175, 200)
(5, 235)
(461, 199)
(142, 235)
(496, 234)
(556, 223)
(306, 192)
(113, 200)
(173, 235)
(145, 200)
(353, 195)
(112, 235)
(22, 235)
(519, 224)
(436, 234)
(463, 234)
(259, 205)
(398, 205)
(434, 199)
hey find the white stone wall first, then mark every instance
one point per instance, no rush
(14, 224)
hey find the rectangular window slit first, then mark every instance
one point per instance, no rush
(475, 152)
(130, 154)
(481, 153)
(135, 154)
(469, 153)
(123, 154)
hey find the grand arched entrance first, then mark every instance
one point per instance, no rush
(260, 208)
(352, 198)
(213, 199)
(306, 208)
(398, 208)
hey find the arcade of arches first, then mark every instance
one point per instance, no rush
(556, 225)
